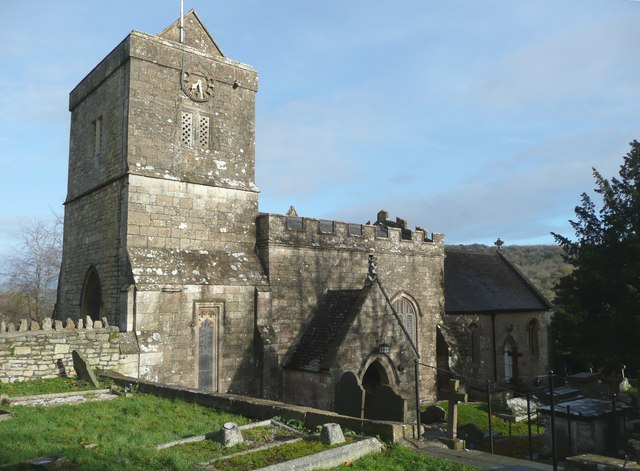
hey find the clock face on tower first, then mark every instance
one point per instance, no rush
(197, 84)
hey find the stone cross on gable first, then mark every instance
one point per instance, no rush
(454, 397)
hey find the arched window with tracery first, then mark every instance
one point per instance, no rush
(407, 313)
(534, 331)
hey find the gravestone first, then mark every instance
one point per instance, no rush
(517, 407)
(331, 434)
(349, 396)
(432, 415)
(385, 404)
(454, 396)
(83, 369)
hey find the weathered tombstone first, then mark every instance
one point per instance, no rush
(83, 370)
(229, 435)
(46, 324)
(385, 404)
(432, 415)
(3, 327)
(331, 434)
(454, 396)
(517, 407)
(24, 326)
(349, 396)
(11, 327)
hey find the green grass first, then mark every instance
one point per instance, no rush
(121, 434)
(46, 386)
(124, 429)
(399, 458)
(477, 414)
(271, 456)
(515, 446)
(184, 456)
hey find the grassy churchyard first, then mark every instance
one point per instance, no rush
(123, 433)
(514, 444)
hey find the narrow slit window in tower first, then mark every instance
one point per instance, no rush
(97, 135)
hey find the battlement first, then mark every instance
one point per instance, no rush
(320, 233)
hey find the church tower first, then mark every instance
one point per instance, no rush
(161, 207)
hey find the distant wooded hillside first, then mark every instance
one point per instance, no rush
(542, 264)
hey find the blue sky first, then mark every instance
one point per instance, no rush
(476, 119)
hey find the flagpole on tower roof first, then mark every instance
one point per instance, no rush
(181, 21)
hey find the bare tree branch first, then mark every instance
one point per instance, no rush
(33, 269)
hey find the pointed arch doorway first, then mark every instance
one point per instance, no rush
(91, 297)
(370, 396)
(374, 376)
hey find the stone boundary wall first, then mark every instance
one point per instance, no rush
(288, 230)
(264, 409)
(31, 350)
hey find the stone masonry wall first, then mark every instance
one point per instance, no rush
(305, 260)
(92, 239)
(32, 351)
(168, 214)
(156, 148)
(96, 189)
(167, 325)
(506, 324)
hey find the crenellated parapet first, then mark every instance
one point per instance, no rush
(287, 230)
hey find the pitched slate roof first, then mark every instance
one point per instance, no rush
(334, 313)
(479, 282)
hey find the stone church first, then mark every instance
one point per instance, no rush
(163, 238)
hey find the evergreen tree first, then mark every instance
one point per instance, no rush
(597, 319)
